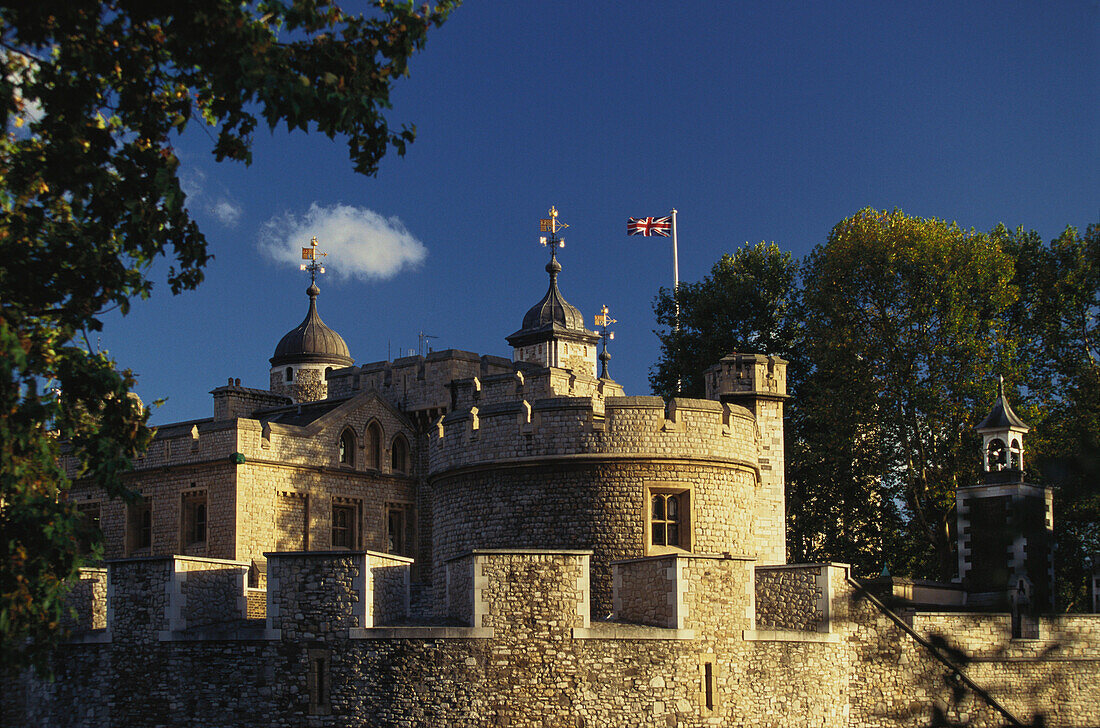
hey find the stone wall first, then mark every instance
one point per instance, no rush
(206, 592)
(87, 601)
(536, 659)
(649, 591)
(598, 504)
(790, 597)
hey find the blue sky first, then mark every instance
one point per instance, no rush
(761, 121)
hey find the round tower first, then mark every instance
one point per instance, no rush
(305, 356)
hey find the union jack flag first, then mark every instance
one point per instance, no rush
(649, 226)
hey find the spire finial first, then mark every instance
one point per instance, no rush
(312, 266)
(1000, 385)
(603, 320)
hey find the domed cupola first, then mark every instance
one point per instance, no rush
(553, 332)
(312, 340)
(553, 308)
(306, 354)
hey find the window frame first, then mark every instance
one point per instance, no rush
(685, 499)
(191, 501)
(404, 469)
(354, 528)
(346, 446)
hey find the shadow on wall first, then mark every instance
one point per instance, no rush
(946, 678)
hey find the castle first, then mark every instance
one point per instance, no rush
(465, 540)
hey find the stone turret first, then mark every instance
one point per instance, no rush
(305, 356)
(759, 384)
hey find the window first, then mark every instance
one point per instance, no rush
(290, 374)
(328, 371)
(139, 526)
(399, 529)
(665, 528)
(193, 518)
(399, 455)
(1014, 454)
(708, 688)
(345, 523)
(374, 446)
(89, 533)
(318, 681)
(347, 448)
(667, 518)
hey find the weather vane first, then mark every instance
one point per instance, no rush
(312, 266)
(552, 226)
(603, 320)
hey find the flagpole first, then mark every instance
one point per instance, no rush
(676, 287)
(675, 271)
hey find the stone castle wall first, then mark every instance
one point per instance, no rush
(532, 657)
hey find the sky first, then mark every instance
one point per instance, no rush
(756, 121)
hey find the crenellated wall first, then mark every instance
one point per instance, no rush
(693, 429)
(555, 474)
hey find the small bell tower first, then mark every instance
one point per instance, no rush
(1005, 525)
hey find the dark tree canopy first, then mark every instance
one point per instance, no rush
(896, 328)
(746, 304)
(92, 94)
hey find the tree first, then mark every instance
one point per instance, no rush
(747, 303)
(909, 314)
(1057, 320)
(92, 93)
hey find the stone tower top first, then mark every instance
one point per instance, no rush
(553, 332)
(306, 354)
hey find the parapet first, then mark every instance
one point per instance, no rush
(318, 595)
(572, 426)
(739, 375)
(159, 598)
(415, 383)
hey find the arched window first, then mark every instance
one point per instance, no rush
(328, 370)
(290, 374)
(1015, 454)
(374, 446)
(399, 455)
(346, 448)
(995, 456)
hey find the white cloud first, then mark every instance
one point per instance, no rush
(360, 242)
(227, 212)
(192, 181)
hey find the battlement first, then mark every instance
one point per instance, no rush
(575, 426)
(737, 375)
(530, 382)
(416, 383)
(233, 400)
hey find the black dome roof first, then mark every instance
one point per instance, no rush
(312, 340)
(553, 308)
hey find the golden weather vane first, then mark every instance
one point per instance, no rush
(312, 266)
(552, 226)
(603, 320)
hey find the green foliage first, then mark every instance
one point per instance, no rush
(91, 94)
(896, 333)
(905, 328)
(1058, 321)
(747, 303)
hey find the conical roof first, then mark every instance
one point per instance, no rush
(312, 340)
(1001, 417)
